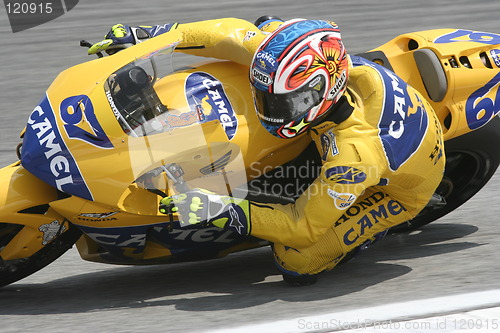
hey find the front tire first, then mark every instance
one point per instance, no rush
(15, 270)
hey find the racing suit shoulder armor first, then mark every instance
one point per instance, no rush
(368, 89)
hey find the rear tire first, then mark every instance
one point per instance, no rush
(15, 270)
(471, 160)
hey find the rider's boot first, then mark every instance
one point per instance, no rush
(300, 280)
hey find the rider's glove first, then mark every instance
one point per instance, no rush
(202, 207)
(122, 36)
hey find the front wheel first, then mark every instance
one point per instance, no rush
(15, 270)
(471, 160)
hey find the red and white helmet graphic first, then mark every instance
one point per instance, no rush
(298, 73)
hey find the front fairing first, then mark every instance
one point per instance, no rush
(78, 140)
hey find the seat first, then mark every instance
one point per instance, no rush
(432, 73)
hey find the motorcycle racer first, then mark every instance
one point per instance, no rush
(380, 142)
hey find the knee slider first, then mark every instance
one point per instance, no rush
(290, 260)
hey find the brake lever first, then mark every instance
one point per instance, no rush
(175, 173)
(84, 43)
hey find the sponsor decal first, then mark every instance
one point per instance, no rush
(483, 104)
(161, 29)
(46, 155)
(391, 208)
(80, 122)
(342, 200)
(316, 83)
(126, 241)
(345, 175)
(184, 119)
(262, 77)
(97, 217)
(205, 235)
(206, 96)
(495, 55)
(355, 209)
(337, 88)
(266, 62)
(97, 220)
(116, 239)
(328, 145)
(272, 120)
(403, 122)
(113, 105)
(462, 35)
(235, 222)
(437, 152)
(249, 35)
(50, 231)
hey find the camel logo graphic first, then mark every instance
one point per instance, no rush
(206, 95)
(26, 15)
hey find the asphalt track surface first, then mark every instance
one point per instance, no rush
(456, 255)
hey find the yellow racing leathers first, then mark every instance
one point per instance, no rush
(229, 38)
(382, 153)
(381, 166)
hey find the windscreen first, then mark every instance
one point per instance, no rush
(176, 146)
(132, 93)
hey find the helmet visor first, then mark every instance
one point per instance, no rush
(284, 108)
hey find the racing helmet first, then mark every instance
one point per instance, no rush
(297, 74)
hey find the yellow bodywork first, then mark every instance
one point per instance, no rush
(468, 60)
(110, 175)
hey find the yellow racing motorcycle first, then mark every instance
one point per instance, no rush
(114, 135)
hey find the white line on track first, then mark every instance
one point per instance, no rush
(394, 317)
